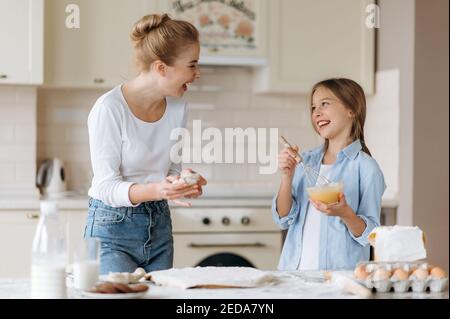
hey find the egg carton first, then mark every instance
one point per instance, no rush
(416, 276)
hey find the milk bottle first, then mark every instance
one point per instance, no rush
(48, 255)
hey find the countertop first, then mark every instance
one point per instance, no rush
(214, 195)
(289, 285)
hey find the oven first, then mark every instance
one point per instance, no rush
(225, 236)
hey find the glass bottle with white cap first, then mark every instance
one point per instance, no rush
(48, 263)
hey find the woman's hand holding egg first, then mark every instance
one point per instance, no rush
(172, 188)
(186, 185)
(193, 178)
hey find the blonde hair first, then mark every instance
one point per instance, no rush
(352, 96)
(158, 37)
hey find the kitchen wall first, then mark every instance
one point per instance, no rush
(413, 39)
(62, 131)
(221, 98)
(395, 51)
(431, 127)
(17, 140)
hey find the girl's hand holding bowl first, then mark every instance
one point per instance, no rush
(339, 208)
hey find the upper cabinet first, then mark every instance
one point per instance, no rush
(311, 40)
(21, 36)
(299, 43)
(231, 32)
(87, 42)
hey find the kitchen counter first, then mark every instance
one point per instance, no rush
(214, 195)
(290, 285)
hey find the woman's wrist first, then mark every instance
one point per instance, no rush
(154, 190)
(139, 193)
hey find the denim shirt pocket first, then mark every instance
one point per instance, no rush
(105, 217)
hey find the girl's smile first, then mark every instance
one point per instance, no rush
(322, 123)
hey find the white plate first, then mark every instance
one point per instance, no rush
(96, 295)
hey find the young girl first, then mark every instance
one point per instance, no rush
(330, 236)
(129, 137)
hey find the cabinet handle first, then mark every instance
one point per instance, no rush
(32, 215)
(3, 76)
(99, 80)
(214, 50)
(239, 245)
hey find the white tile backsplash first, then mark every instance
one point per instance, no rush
(76, 135)
(268, 102)
(232, 100)
(25, 171)
(382, 126)
(62, 130)
(7, 172)
(17, 152)
(57, 127)
(17, 139)
(25, 133)
(6, 133)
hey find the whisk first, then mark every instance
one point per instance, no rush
(312, 176)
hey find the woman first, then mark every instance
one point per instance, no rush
(129, 137)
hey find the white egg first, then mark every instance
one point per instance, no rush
(361, 272)
(189, 177)
(381, 274)
(400, 274)
(438, 273)
(420, 274)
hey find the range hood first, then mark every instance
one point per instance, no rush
(232, 61)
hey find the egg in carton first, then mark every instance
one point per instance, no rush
(438, 279)
(434, 278)
(381, 279)
(419, 279)
(363, 275)
(400, 280)
(409, 267)
(376, 275)
(401, 276)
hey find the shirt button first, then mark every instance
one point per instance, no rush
(290, 222)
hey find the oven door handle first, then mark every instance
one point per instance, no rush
(256, 245)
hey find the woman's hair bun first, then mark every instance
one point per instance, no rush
(146, 24)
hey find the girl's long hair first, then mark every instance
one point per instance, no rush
(352, 96)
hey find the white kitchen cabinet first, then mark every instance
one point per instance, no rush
(231, 32)
(311, 40)
(21, 38)
(17, 229)
(99, 52)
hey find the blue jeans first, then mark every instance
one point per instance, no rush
(131, 237)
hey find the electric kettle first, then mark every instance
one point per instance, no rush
(51, 178)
